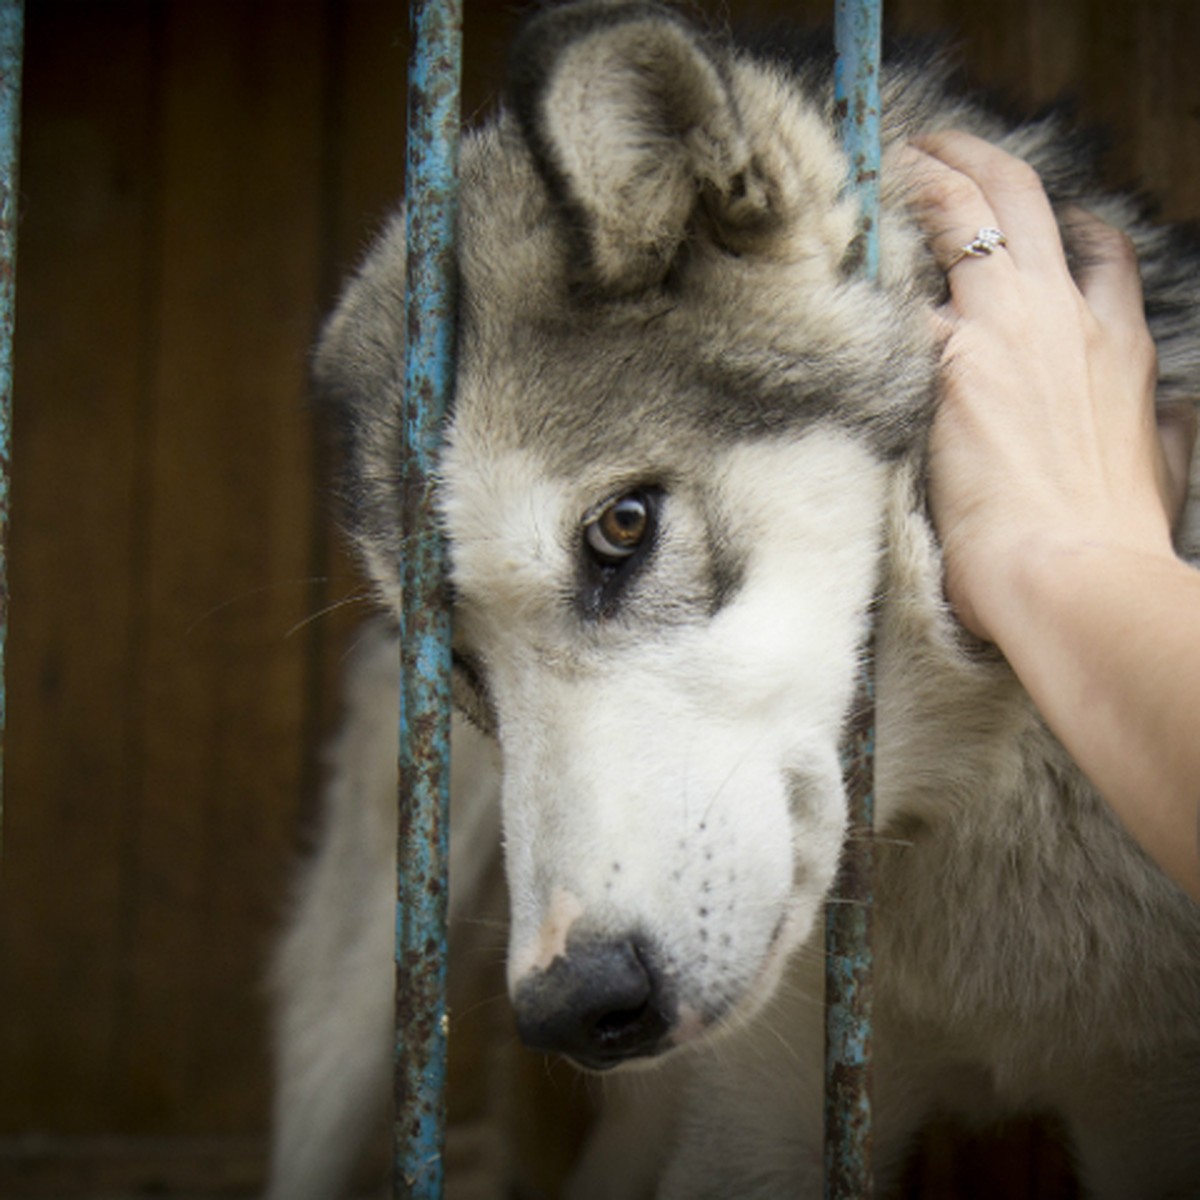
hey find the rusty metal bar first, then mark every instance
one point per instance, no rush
(12, 28)
(434, 77)
(858, 38)
(848, 1171)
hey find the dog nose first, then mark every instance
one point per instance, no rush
(600, 1003)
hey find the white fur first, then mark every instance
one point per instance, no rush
(644, 773)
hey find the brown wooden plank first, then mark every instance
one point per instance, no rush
(116, 1168)
(1167, 136)
(364, 131)
(86, 239)
(229, 555)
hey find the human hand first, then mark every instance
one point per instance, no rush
(1045, 440)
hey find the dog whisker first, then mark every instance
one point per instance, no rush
(488, 1002)
(746, 754)
(250, 594)
(495, 923)
(360, 596)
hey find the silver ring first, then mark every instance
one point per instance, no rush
(988, 239)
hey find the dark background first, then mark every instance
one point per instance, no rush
(196, 176)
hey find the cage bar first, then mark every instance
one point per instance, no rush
(858, 39)
(12, 27)
(434, 81)
(848, 990)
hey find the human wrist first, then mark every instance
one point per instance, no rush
(1039, 579)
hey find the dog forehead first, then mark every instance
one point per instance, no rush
(587, 398)
(734, 347)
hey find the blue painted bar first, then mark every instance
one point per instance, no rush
(434, 78)
(12, 28)
(858, 40)
(848, 994)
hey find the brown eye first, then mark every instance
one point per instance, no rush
(620, 527)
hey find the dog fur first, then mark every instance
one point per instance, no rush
(657, 308)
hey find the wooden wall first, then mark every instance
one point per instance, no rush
(196, 176)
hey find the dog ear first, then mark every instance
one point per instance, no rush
(632, 124)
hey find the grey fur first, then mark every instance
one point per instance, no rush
(647, 323)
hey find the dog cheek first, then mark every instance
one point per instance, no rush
(817, 800)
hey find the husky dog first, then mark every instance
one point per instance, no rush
(682, 475)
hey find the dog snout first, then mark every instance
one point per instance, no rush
(601, 1003)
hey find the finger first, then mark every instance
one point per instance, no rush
(1108, 275)
(1013, 193)
(952, 210)
(949, 205)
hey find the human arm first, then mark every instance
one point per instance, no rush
(1053, 497)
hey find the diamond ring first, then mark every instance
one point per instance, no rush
(988, 239)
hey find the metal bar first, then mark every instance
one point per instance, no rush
(848, 1170)
(12, 28)
(434, 77)
(858, 40)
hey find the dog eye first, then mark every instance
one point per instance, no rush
(618, 539)
(616, 532)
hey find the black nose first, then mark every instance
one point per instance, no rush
(601, 1003)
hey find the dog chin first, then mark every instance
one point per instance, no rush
(693, 1029)
(789, 935)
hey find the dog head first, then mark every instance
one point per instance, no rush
(662, 486)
